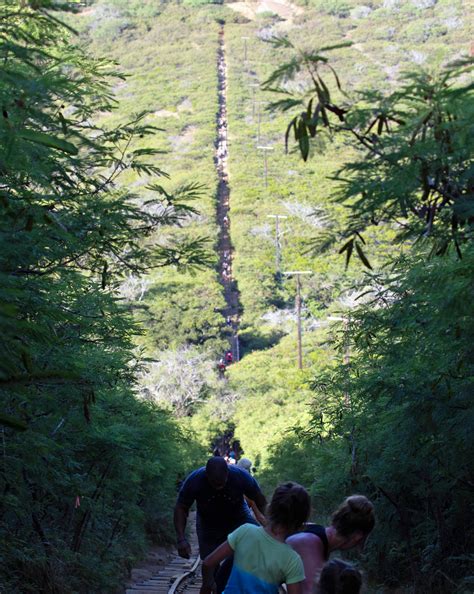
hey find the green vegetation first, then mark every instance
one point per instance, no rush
(170, 81)
(111, 306)
(402, 406)
(81, 456)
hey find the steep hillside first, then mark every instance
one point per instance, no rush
(169, 53)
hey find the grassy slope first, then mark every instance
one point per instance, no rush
(170, 59)
(166, 58)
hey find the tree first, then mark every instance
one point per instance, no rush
(402, 410)
(415, 146)
(69, 235)
(179, 380)
(393, 421)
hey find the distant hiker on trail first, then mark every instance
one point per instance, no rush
(350, 526)
(246, 465)
(262, 559)
(219, 491)
(229, 357)
(221, 366)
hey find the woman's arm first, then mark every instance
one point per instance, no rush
(294, 588)
(224, 550)
(208, 564)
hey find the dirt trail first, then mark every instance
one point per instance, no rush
(231, 291)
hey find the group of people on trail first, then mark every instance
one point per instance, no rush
(224, 361)
(249, 547)
(226, 270)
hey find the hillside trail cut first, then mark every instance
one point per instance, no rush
(231, 291)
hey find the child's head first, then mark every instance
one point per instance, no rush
(338, 577)
(290, 506)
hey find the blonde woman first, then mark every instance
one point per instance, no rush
(350, 526)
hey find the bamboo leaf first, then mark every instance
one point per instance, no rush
(287, 133)
(304, 143)
(348, 247)
(47, 140)
(13, 422)
(362, 256)
(328, 48)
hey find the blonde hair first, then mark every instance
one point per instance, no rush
(356, 513)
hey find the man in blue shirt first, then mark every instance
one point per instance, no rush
(218, 490)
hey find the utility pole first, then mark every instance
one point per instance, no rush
(265, 161)
(245, 47)
(277, 241)
(259, 119)
(254, 87)
(298, 273)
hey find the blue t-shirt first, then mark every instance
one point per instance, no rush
(224, 509)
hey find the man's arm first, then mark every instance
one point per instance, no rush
(260, 501)
(180, 520)
(253, 492)
(261, 519)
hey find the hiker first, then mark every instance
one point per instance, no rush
(219, 491)
(221, 366)
(350, 526)
(262, 559)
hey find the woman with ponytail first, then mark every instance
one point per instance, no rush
(350, 526)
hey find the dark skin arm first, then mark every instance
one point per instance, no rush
(261, 502)
(256, 512)
(180, 520)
